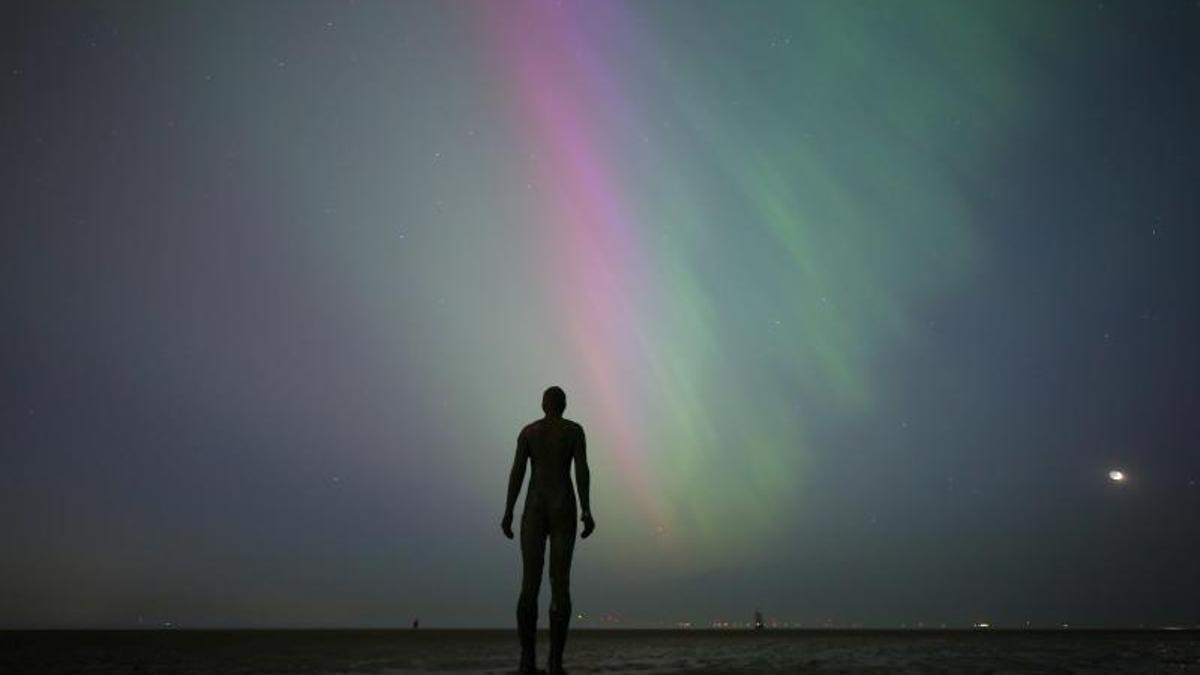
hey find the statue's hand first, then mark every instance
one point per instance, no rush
(506, 525)
(589, 525)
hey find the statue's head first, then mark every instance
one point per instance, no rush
(554, 401)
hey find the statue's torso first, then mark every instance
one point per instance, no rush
(551, 443)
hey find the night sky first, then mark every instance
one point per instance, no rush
(858, 302)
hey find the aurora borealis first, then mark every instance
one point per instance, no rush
(859, 303)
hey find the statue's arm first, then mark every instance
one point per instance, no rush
(583, 476)
(516, 477)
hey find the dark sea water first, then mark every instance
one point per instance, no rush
(601, 651)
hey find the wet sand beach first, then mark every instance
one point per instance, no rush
(601, 651)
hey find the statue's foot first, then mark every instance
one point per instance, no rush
(527, 668)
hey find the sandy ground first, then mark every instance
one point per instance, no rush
(646, 652)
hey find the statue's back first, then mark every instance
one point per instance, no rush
(551, 443)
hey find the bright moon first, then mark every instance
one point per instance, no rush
(1116, 475)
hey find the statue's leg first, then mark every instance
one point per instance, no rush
(562, 546)
(533, 554)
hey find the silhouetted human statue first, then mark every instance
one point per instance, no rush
(549, 445)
